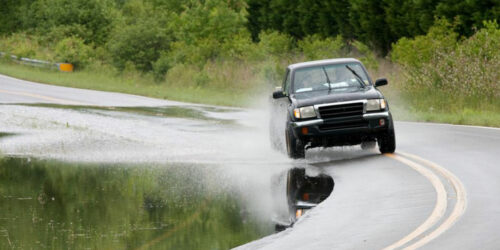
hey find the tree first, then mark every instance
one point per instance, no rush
(140, 43)
(469, 14)
(10, 10)
(368, 20)
(90, 20)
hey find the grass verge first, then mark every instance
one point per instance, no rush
(425, 107)
(133, 83)
(433, 106)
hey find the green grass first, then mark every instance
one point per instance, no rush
(465, 117)
(133, 83)
(432, 106)
(424, 106)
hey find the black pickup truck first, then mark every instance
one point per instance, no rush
(331, 103)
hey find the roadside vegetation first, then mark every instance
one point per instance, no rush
(441, 57)
(449, 78)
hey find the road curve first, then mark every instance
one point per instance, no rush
(440, 190)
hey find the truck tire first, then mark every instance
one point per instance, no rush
(294, 146)
(387, 142)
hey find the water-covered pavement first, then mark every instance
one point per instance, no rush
(90, 169)
(53, 205)
(176, 177)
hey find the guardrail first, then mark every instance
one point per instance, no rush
(64, 67)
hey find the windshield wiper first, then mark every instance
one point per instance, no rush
(327, 79)
(360, 80)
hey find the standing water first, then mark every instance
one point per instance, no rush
(54, 205)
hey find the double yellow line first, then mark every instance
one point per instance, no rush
(42, 97)
(425, 233)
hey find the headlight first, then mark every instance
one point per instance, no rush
(304, 112)
(375, 104)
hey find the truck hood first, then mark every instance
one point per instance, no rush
(320, 97)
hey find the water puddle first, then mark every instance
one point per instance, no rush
(49, 204)
(169, 177)
(190, 112)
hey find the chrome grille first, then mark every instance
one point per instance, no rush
(341, 110)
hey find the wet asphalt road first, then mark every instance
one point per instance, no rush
(377, 200)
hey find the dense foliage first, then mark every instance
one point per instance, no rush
(375, 22)
(443, 54)
(241, 43)
(140, 32)
(440, 61)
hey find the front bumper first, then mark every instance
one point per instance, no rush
(367, 125)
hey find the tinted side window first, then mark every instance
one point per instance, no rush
(286, 83)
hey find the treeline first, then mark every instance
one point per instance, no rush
(205, 39)
(378, 23)
(157, 36)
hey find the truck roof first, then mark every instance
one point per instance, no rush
(322, 62)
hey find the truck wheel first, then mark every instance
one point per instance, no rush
(294, 146)
(387, 142)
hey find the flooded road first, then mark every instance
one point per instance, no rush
(100, 170)
(163, 177)
(54, 205)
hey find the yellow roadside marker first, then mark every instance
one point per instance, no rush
(66, 67)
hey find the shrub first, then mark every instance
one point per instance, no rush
(275, 43)
(465, 68)
(207, 29)
(314, 47)
(60, 32)
(140, 43)
(414, 52)
(161, 67)
(73, 50)
(366, 55)
(19, 44)
(240, 47)
(25, 45)
(89, 19)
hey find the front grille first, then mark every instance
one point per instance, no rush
(351, 124)
(341, 110)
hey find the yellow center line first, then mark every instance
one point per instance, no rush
(42, 97)
(441, 201)
(457, 211)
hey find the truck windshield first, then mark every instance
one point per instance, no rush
(334, 77)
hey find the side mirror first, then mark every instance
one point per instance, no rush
(278, 93)
(381, 82)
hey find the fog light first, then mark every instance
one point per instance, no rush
(298, 213)
(305, 130)
(381, 122)
(305, 196)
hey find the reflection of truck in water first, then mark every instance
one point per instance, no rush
(304, 193)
